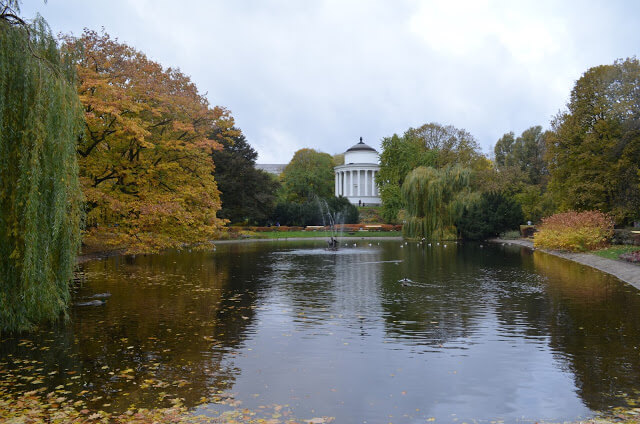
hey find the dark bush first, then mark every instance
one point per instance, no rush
(493, 214)
(625, 237)
(315, 212)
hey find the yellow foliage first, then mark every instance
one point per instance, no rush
(575, 231)
(145, 158)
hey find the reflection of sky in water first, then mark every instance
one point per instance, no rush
(333, 346)
(482, 333)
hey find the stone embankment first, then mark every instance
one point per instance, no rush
(625, 271)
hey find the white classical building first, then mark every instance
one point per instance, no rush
(356, 180)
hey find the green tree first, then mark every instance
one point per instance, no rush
(594, 148)
(431, 145)
(452, 145)
(503, 149)
(40, 197)
(308, 175)
(338, 159)
(435, 199)
(492, 214)
(248, 194)
(399, 156)
(524, 154)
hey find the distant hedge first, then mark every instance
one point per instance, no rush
(315, 212)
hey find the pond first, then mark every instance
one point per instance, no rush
(475, 332)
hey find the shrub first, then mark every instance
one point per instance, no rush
(631, 256)
(492, 214)
(575, 231)
(315, 212)
(624, 236)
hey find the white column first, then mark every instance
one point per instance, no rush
(342, 183)
(353, 183)
(335, 184)
(373, 183)
(349, 185)
(366, 181)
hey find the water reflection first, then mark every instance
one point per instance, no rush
(594, 326)
(479, 332)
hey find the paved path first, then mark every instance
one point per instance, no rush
(625, 271)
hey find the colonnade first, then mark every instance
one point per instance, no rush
(356, 182)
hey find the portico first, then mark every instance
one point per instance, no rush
(356, 179)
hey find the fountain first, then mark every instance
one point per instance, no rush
(334, 220)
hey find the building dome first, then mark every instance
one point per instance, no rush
(361, 153)
(361, 147)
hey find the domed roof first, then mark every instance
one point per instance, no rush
(360, 147)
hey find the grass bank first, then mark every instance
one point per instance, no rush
(613, 252)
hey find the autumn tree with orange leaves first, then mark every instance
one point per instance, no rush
(145, 157)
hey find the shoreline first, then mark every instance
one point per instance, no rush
(348, 238)
(99, 255)
(627, 272)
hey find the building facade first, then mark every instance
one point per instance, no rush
(271, 168)
(356, 179)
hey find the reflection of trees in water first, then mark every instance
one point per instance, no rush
(318, 284)
(437, 306)
(170, 326)
(520, 302)
(303, 280)
(595, 325)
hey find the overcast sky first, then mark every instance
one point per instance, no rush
(321, 74)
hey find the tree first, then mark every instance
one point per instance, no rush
(435, 199)
(431, 145)
(594, 148)
(248, 194)
(145, 155)
(399, 156)
(40, 197)
(524, 154)
(521, 172)
(452, 145)
(492, 214)
(503, 149)
(308, 175)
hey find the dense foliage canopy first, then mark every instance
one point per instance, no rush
(248, 194)
(524, 154)
(145, 155)
(594, 148)
(308, 175)
(40, 198)
(493, 213)
(431, 145)
(521, 172)
(435, 199)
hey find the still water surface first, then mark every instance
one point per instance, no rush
(480, 333)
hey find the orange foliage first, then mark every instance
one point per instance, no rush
(145, 163)
(575, 231)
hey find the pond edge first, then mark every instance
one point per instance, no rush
(625, 271)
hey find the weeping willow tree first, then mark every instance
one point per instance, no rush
(40, 197)
(435, 199)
